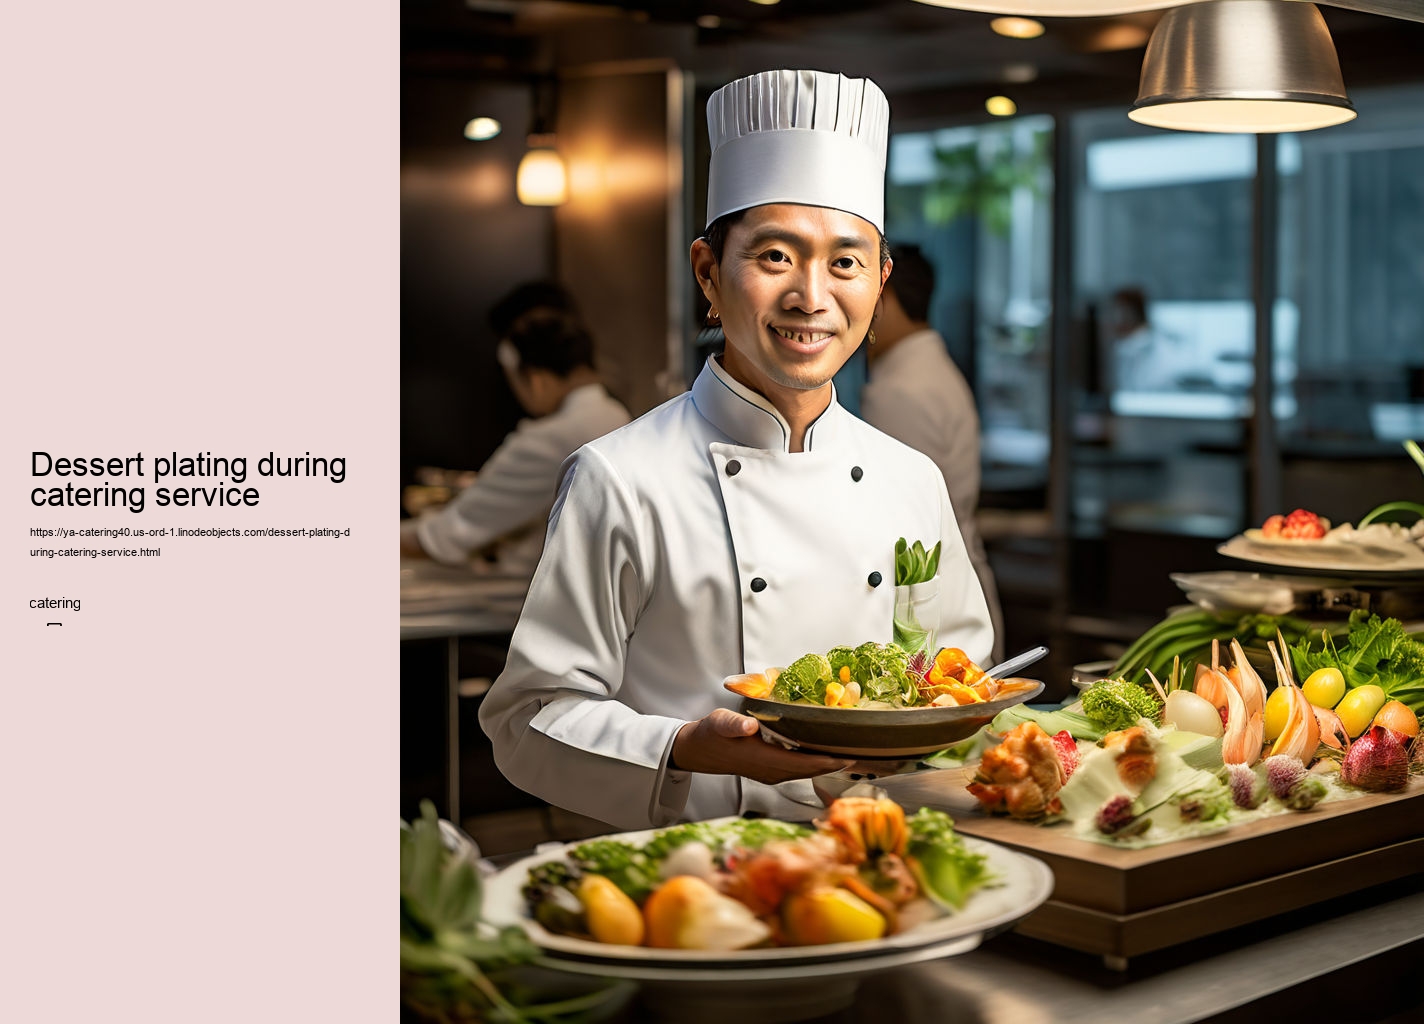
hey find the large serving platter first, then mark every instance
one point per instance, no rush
(1023, 883)
(1125, 902)
(869, 734)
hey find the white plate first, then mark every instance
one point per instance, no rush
(1239, 591)
(1022, 884)
(1331, 556)
(1344, 540)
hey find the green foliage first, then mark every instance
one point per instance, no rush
(634, 869)
(1188, 635)
(1377, 651)
(913, 564)
(623, 864)
(804, 679)
(453, 966)
(947, 870)
(1118, 704)
(980, 180)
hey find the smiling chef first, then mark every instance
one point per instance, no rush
(745, 523)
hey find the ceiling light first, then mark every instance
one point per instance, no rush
(767, 3)
(1001, 106)
(709, 21)
(1055, 8)
(1017, 28)
(1019, 73)
(1242, 66)
(1407, 10)
(542, 179)
(478, 129)
(1120, 35)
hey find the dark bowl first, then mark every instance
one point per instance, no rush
(870, 733)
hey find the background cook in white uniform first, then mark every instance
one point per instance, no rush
(508, 504)
(917, 395)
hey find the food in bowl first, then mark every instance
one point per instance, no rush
(878, 677)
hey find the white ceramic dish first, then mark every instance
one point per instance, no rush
(1237, 591)
(1023, 884)
(1325, 556)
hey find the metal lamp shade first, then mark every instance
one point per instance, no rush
(1242, 66)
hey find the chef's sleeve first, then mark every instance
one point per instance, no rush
(963, 612)
(513, 488)
(553, 716)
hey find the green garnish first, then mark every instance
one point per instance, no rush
(914, 564)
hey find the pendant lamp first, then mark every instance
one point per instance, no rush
(1409, 10)
(542, 178)
(1242, 66)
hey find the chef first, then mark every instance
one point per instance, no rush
(745, 523)
(547, 358)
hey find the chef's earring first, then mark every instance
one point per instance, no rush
(870, 336)
(713, 317)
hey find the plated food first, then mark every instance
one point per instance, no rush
(801, 895)
(878, 677)
(876, 701)
(1304, 540)
(863, 872)
(1141, 766)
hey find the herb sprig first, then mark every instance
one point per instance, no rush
(913, 564)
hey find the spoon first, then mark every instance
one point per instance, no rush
(1017, 663)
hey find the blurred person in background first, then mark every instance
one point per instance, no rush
(1142, 360)
(547, 357)
(744, 523)
(917, 395)
(434, 486)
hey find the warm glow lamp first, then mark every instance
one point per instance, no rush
(481, 129)
(1410, 10)
(541, 180)
(1017, 28)
(1242, 66)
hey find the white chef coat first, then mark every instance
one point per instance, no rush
(917, 395)
(510, 499)
(689, 546)
(1145, 361)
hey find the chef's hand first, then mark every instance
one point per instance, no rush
(726, 743)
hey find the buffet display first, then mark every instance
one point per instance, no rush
(1241, 758)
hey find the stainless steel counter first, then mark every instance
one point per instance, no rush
(1354, 959)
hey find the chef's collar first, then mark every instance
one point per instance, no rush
(749, 419)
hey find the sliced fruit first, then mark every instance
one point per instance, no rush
(1278, 706)
(821, 916)
(753, 684)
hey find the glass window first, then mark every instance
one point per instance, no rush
(1352, 258)
(977, 200)
(1351, 365)
(1162, 283)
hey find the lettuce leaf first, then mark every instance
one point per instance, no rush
(947, 870)
(804, 679)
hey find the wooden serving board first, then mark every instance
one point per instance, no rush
(1123, 902)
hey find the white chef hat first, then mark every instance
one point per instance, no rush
(808, 137)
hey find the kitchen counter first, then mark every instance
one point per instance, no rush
(1349, 961)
